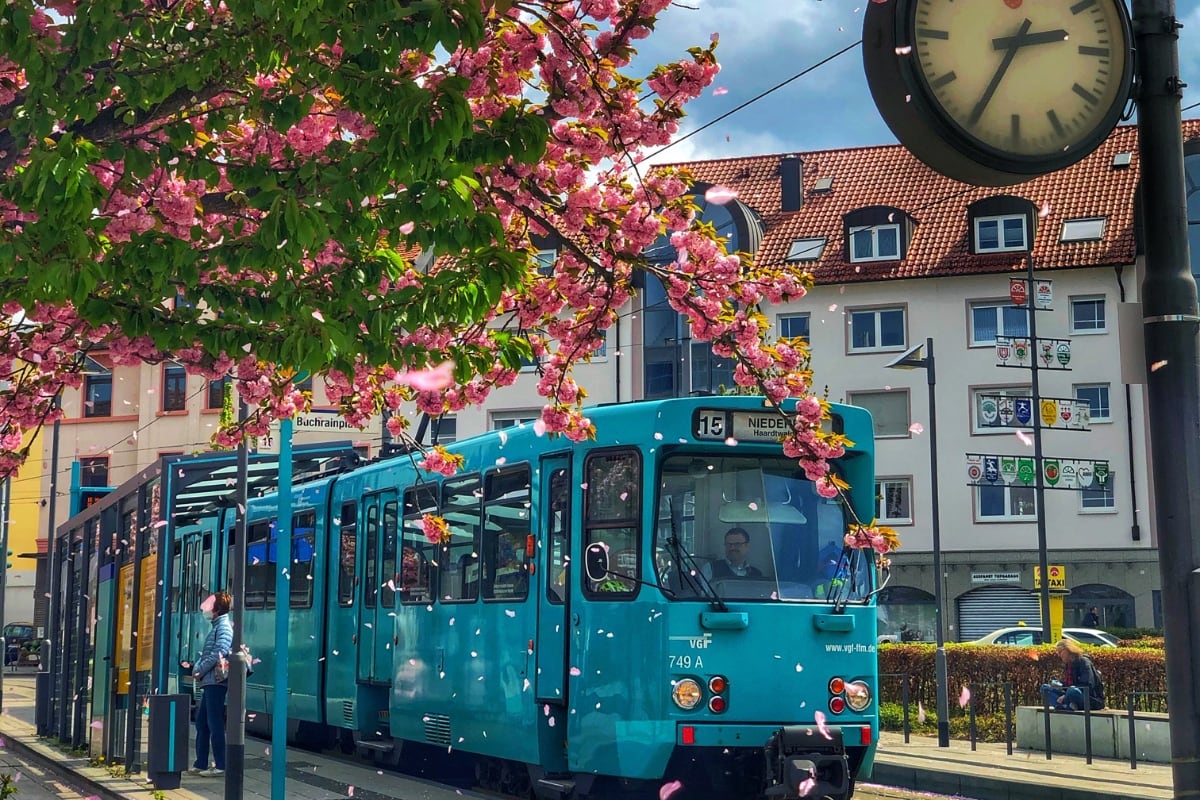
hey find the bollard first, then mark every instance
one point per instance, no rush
(42, 702)
(1132, 734)
(1008, 726)
(905, 699)
(1046, 719)
(971, 717)
(169, 745)
(1087, 723)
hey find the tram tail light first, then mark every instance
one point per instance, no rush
(837, 705)
(837, 686)
(864, 735)
(529, 542)
(687, 735)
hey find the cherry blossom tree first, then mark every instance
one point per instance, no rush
(358, 191)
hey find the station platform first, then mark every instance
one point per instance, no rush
(987, 773)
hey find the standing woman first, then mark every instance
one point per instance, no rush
(210, 716)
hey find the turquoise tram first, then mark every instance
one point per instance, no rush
(672, 600)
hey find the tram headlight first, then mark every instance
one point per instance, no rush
(858, 695)
(687, 694)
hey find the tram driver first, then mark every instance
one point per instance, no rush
(736, 563)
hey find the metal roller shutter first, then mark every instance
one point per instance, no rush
(983, 610)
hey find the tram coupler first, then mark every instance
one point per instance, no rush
(806, 761)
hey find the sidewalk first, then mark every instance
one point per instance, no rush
(989, 773)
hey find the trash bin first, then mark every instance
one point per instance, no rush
(169, 746)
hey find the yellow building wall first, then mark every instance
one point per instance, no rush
(25, 516)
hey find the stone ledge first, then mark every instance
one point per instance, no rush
(1110, 733)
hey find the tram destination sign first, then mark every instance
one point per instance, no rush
(742, 426)
(985, 469)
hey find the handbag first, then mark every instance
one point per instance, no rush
(221, 670)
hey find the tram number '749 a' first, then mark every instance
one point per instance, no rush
(686, 662)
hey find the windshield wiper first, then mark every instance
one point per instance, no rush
(850, 557)
(693, 574)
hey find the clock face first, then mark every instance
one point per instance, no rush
(1028, 79)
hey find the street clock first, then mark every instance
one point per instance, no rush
(996, 92)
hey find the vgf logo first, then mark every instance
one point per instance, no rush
(701, 642)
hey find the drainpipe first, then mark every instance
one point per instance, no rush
(617, 358)
(1135, 532)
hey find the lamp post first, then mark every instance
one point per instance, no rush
(912, 359)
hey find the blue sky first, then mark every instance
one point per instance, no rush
(765, 42)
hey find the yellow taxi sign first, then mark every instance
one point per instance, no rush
(1058, 577)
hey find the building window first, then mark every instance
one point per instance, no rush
(709, 371)
(875, 243)
(97, 395)
(214, 398)
(1083, 230)
(444, 430)
(510, 419)
(174, 391)
(1000, 234)
(305, 385)
(1005, 503)
(805, 250)
(1000, 409)
(545, 261)
(889, 411)
(1087, 315)
(989, 320)
(893, 501)
(93, 472)
(1096, 395)
(876, 330)
(793, 326)
(1098, 499)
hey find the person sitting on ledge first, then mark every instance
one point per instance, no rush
(1079, 681)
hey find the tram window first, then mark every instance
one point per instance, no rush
(387, 564)
(300, 586)
(417, 552)
(371, 553)
(559, 521)
(611, 502)
(346, 541)
(458, 557)
(204, 574)
(260, 574)
(506, 532)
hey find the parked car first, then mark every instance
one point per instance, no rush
(1022, 635)
(16, 634)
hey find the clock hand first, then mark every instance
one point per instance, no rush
(1043, 37)
(1012, 49)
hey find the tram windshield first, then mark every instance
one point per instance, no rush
(752, 529)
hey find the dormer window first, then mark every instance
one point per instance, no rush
(1002, 224)
(875, 243)
(1002, 234)
(877, 233)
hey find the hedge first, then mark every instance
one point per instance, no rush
(1027, 668)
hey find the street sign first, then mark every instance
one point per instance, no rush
(1058, 577)
(1059, 413)
(1043, 295)
(322, 425)
(1020, 471)
(1018, 291)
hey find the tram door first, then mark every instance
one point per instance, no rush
(555, 500)
(377, 597)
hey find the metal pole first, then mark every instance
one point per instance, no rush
(1039, 484)
(943, 688)
(235, 721)
(1173, 390)
(4, 490)
(46, 662)
(283, 595)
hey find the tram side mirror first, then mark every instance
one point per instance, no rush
(595, 561)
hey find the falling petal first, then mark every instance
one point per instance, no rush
(833, 307)
(964, 697)
(539, 427)
(916, 428)
(1157, 365)
(1033, 654)
(921, 715)
(720, 90)
(753, 506)
(668, 789)
(350, 791)
(1025, 438)
(731, 442)
(807, 785)
(822, 728)
(318, 316)
(407, 228)
(508, 612)
(576, 671)
(1045, 210)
